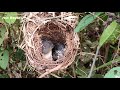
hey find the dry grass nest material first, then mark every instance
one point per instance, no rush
(57, 27)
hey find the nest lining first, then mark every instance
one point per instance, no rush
(55, 30)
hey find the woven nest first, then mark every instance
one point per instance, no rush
(58, 28)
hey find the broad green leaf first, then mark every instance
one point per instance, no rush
(4, 58)
(110, 33)
(86, 21)
(10, 17)
(113, 73)
(2, 34)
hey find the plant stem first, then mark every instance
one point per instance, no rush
(108, 63)
(94, 59)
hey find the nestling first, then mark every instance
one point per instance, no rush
(58, 51)
(47, 49)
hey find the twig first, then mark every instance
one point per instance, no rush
(9, 72)
(55, 75)
(25, 65)
(94, 59)
(73, 70)
(48, 72)
(106, 52)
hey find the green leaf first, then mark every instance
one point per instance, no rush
(110, 33)
(4, 58)
(10, 17)
(2, 34)
(86, 21)
(113, 73)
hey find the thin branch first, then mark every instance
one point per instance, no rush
(94, 59)
(55, 75)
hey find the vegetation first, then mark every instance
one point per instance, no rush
(98, 56)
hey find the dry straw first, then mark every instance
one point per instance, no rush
(56, 26)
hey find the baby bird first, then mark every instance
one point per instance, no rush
(58, 51)
(47, 49)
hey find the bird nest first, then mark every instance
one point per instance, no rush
(56, 27)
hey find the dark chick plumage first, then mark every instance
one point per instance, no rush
(58, 51)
